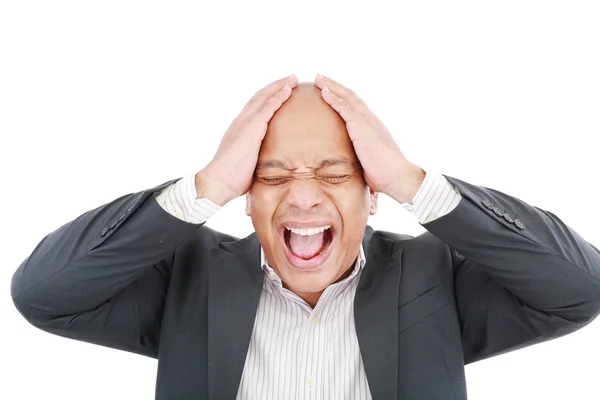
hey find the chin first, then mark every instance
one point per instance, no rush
(300, 282)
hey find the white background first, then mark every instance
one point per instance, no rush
(100, 99)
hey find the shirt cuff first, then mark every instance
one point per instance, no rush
(179, 199)
(435, 198)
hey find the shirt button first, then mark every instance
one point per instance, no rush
(310, 381)
(315, 319)
(272, 277)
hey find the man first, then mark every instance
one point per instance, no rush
(315, 304)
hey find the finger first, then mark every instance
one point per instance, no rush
(341, 91)
(270, 90)
(339, 104)
(321, 81)
(271, 105)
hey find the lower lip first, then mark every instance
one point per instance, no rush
(303, 264)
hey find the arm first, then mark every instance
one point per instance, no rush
(102, 278)
(522, 276)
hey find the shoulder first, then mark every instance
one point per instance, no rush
(201, 241)
(424, 241)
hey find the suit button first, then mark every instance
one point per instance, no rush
(498, 212)
(112, 226)
(487, 204)
(103, 232)
(509, 218)
(519, 224)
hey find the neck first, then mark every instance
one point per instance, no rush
(312, 298)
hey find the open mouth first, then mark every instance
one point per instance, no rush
(307, 247)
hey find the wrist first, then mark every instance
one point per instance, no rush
(210, 188)
(410, 181)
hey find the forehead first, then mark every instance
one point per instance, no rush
(282, 164)
(305, 131)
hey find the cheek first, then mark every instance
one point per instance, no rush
(354, 203)
(354, 221)
(262, 206)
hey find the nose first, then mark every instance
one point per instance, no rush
(305, 194)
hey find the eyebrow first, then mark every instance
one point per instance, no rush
(328, 162)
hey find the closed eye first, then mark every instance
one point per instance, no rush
(334, 179)
(330, 179)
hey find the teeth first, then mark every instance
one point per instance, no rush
(309, 231)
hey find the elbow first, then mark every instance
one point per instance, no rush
(582, 313)
(585, 303)
(33, 310)
(22, 302)
(590, 309)
(24, 299)
(594, 309)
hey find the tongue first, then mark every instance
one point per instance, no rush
(307, 246)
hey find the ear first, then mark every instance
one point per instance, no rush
(374, 197)
(248, 204)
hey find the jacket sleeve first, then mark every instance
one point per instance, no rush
(102, 278)
(522, 276)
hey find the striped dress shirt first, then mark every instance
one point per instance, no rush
(296, 351)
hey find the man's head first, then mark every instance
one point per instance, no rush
(303, 133)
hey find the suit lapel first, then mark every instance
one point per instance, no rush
(235, 284)
(376, 314)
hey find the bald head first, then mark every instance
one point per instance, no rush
(306, 117)
(305, 102)
(305, 96)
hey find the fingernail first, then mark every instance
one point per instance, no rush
(326, 89)
(321, 76)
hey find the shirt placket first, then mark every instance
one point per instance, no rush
(309, 381)
(310, 361)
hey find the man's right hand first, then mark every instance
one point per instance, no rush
(230, 172)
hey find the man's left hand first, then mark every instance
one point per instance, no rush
(385, 168)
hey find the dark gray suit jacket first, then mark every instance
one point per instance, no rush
(492, 276)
